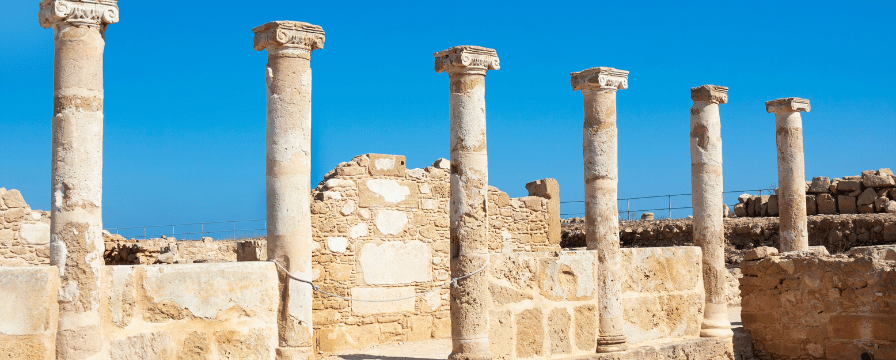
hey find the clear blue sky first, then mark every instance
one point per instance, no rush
(185, 93)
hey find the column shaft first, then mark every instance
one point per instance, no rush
(469, 217)
(599, 146)
(706, 184)
(791, 181)
(76, 242)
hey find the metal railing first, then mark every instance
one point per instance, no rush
(628, 210)
(189, 230)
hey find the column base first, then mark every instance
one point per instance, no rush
(611, 343)
(293, 353)
(473, 356)
(717, 333)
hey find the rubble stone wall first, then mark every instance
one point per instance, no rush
(544, 304)
(121, 251)
(804, 306)
(382, 232)
(24, 233)
(871, 192)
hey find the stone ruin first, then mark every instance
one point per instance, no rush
(448, 255)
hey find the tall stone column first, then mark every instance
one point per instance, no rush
(599, 150)
(791, 172)
(470, 299)
(76, 242)
(706, 186)
(289, 45)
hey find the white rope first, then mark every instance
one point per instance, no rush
(453, 281)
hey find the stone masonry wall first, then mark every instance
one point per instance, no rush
(871, 192)
(544, 304)
(29, 314)
(382, 232)
(804, 306)
(121, 251)
(24, 233)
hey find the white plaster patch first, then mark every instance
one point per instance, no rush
(416, 173)
(357, 231)
(364, 213)
(395, 263)
(371, 308)
(424, 188)
(429, 204)
(348, 208)
(35, 234)
(336, 183)
(58, 254)
(332, 195)
(389, 190)
(384, 163)
(433, 300)
(391, 222)
(337, 244)
(35, 215)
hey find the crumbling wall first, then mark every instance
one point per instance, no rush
(24, 233)
(871, 192)
(121, 251)
(544, 304)
(29, 312)
(382, 232)
(804, 306)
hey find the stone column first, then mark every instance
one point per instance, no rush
(470, 299)
(76, 242)
(288, 74)
(791, 172)
(706, 185)
(599, 150)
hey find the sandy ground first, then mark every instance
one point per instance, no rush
(437, 349)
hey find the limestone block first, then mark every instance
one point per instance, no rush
(386, 165)
(442, 163)
(740, 210)
(878, 181)
(891, 207)
(761, 252)
(198, 290)
(811, 206)
(395, 263)
(826, 204)
(558, 325)
(847, 186)
(867, 197)
(386, 192)
(145, 346)
(391, 222)
(880, 204)
(28, 295)
(820, 184)
(35, 234)
(7, 236)
(570, 276)
(337, 244)
(246, 343)
(773, 205)
(846, 204)
(14, 215)
(661, 269)
(13, 199)
(358, 230)
(380, 293)
(348, 208)
(865, 209)
(530, 335)
(339, 183)
(884, 171)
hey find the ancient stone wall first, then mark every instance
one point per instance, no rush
(382, 232)
(544, 304)
(24, 233)
(804, 306)
(837, 233)
(121, 251)
(201, 311)
(871, 192)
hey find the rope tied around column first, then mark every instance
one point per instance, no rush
(314, 287)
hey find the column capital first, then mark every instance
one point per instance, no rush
(93, 13)
(467, 59)
(290, 37)
(599, 78)
(793, 104)
(710, 94)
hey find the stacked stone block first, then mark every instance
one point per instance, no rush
(871, 192)
(381, 231)
(804, 306)
(24, 233)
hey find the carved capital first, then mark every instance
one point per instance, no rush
(292, 37)
(94, 13)
(793, 104)
(467, 59)
(710, 94)
(599, 78)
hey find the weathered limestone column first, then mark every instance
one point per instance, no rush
(708, 205)
(599, 150)
(470, 299)
(791, 172)
(76, 242)
(289, 45)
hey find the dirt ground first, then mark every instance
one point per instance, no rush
(437, 349)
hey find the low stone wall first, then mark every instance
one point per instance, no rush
(121, 251)
(838, 233)
(871, 192)
(202, 311)
(382, 232)
(29, 312)
(544, 304)
(804, 306)
(24, 233)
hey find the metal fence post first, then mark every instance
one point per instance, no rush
(670, 206)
